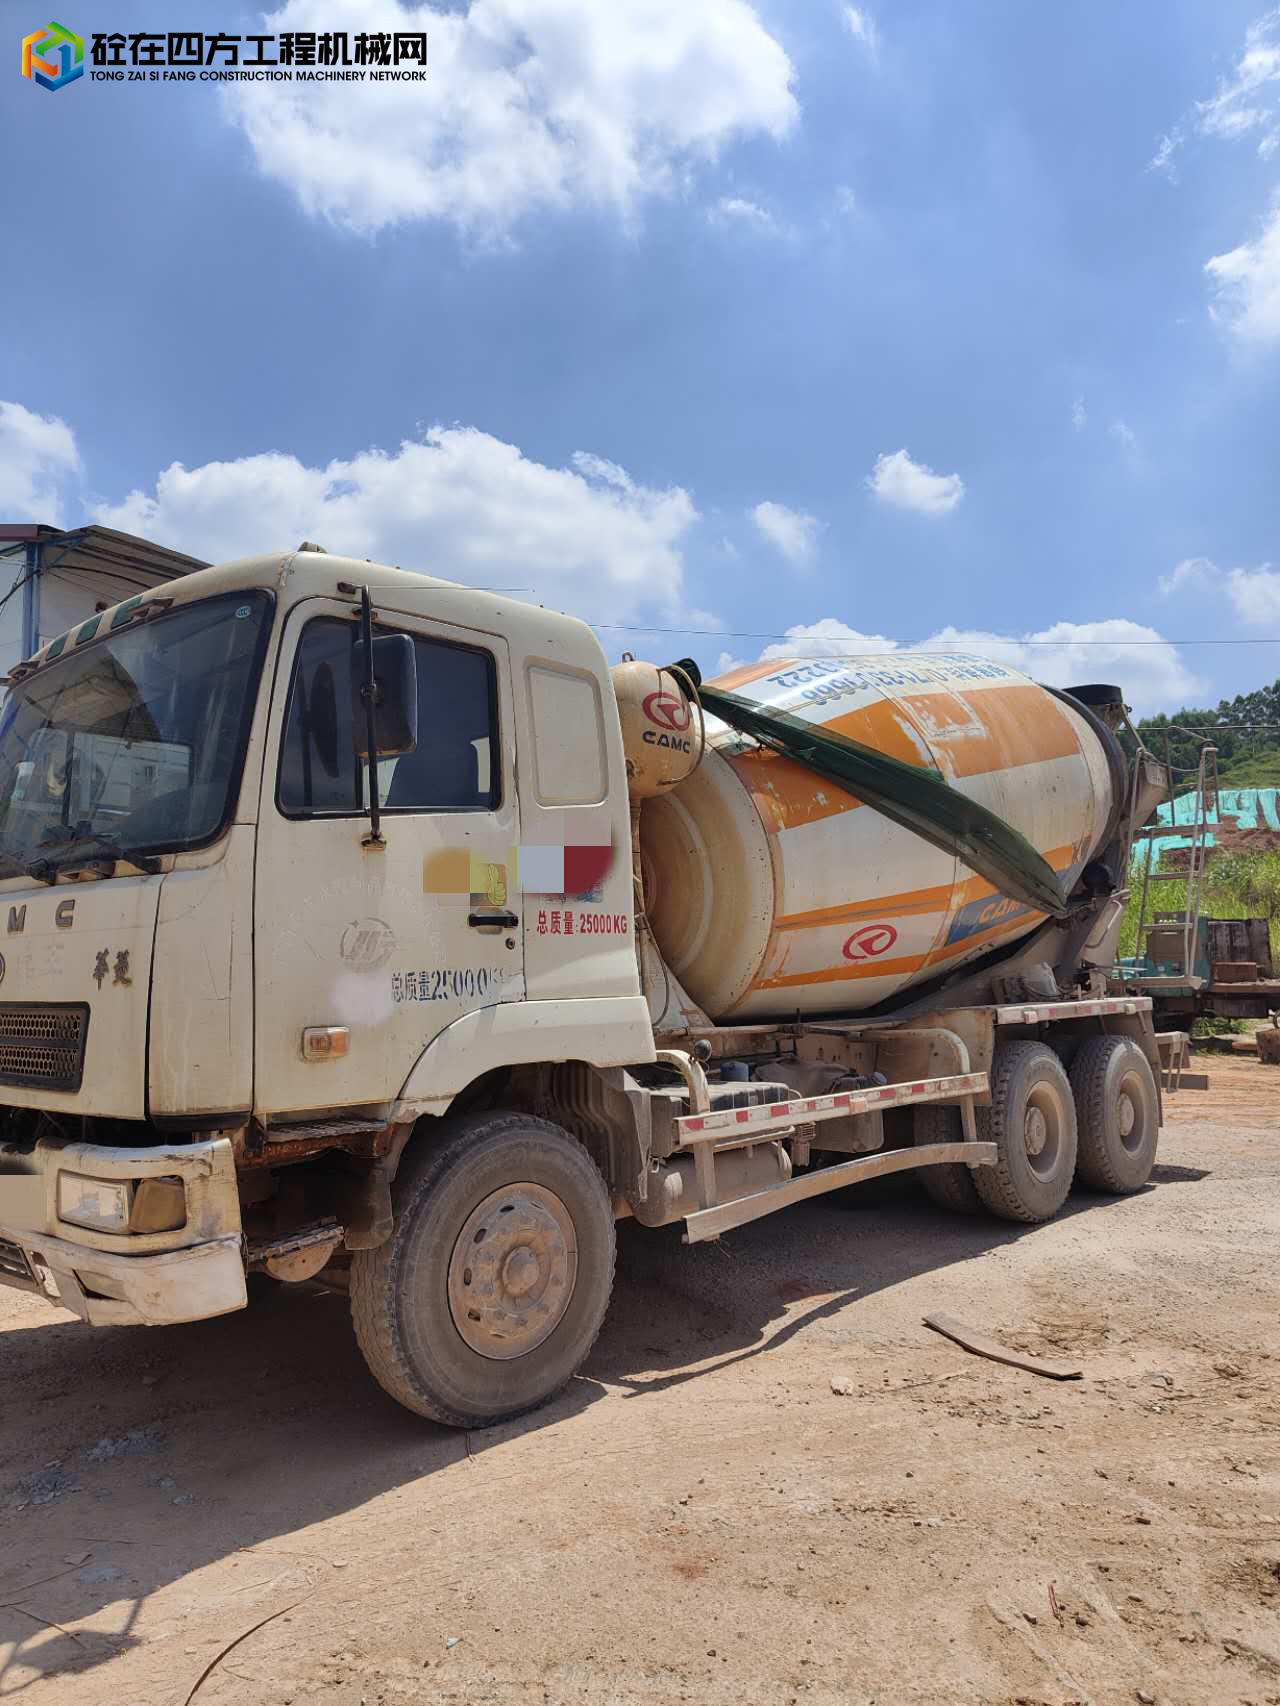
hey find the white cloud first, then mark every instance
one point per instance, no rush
(1254, 593)
(593, 467)
(1247, 102)
(1124, 435)
(37, 454)
(1250, 99)
(1255, 596)
(527, 106)
(459, 504)
(1148, 667)
(827, 638)
(1190, 572)
(738, 210)
(791, 532)
(1079, 415)
(1247, 281)
(846, 201)
(911, 485)
(1162, 160)
(862, 27)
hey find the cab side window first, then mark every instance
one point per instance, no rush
(454, 766)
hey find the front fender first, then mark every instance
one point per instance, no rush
(609, 1031)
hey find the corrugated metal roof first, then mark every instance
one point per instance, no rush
(101, 548)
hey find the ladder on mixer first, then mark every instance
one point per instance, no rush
(1204, 814)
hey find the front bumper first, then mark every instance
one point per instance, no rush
(123, 1279)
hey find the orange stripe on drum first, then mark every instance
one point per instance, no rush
(1018, 922)
(1019, 727)
(902, 967)
(788, 795)
(745, 673)
(888, 906)
(920, 901)
(1002, 729)
(1011, 917)
(1060, 858)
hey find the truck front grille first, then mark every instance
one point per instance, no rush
(43, 1044)
(13, 1262)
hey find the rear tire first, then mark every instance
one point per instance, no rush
(494, 1284)
(1118, 1110)
(1032, 1122)
(949, 1184)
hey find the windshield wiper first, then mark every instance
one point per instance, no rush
(104, 846)
(40, 869)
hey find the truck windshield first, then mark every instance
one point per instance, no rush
(133, 742)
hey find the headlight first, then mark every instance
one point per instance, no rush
(99, 1204)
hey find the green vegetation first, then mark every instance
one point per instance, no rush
(1247, 757)
(1245, 885)
(1246, 732)
(1236, 885)
(1215, 1027)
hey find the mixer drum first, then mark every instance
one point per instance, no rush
(772, 891)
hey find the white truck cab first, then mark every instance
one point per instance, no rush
(318, 955)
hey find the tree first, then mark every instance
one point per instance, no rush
(1245, 730)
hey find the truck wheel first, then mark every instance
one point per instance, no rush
(1032, 1122)
(950, 1185)
(495, 1282)
(1116, 1104)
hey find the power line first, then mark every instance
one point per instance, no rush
(997, 640)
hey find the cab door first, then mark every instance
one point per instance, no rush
(391, 943)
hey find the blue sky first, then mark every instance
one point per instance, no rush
(887, 325)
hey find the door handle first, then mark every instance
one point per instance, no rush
(492, 920)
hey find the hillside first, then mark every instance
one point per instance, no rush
(1246, 731)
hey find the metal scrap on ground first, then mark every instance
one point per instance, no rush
(981, 1344)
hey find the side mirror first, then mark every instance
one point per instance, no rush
(395, 704)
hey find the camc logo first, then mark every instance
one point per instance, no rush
(668, 710)
(869, 942)
(53, 56)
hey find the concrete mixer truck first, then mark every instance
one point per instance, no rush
(365, 928)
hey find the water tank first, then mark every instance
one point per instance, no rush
(772, 892)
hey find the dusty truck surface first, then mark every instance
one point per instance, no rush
(363, 927)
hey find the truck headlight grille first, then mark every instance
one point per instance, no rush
(13, 1263)
(43, 1044)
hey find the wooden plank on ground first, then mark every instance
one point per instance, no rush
(983, 1345)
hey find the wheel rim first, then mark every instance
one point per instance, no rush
(1131, 1106)
(1042, 1124)
(513, 1270)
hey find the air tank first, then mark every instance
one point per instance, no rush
(772, 892)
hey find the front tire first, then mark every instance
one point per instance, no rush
(494, 1284)
(948, 1184)
(1032, 1122)
(1117, 1107)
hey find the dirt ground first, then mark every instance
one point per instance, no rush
(700, 1517)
